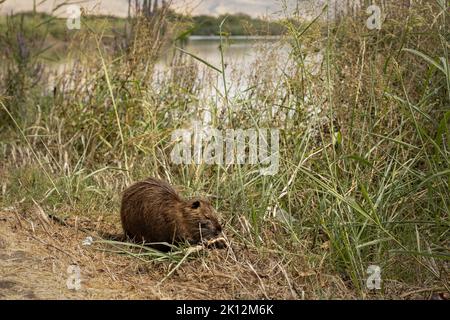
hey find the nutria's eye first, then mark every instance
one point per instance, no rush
(195, 205)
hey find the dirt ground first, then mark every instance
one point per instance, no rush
(39, 256)
(36, 252)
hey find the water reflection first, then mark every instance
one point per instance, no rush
(241, 57)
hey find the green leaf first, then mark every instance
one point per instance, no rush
(373, 242)
(360, 159)
(199, 59)
(426, 58)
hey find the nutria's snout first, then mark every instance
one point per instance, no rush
(210, 229)
(205, 219)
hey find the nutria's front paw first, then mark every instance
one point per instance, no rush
(218, 243)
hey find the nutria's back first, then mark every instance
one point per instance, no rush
(152, 211)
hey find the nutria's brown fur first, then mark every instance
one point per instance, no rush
(152, 211)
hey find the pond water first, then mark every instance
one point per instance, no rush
(238, 51)
(248, 62)
(242, 57)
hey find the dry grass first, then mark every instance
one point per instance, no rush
(35, 254)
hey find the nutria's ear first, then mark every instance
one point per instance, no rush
(195, 204)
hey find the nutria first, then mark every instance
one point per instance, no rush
(153, 212)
